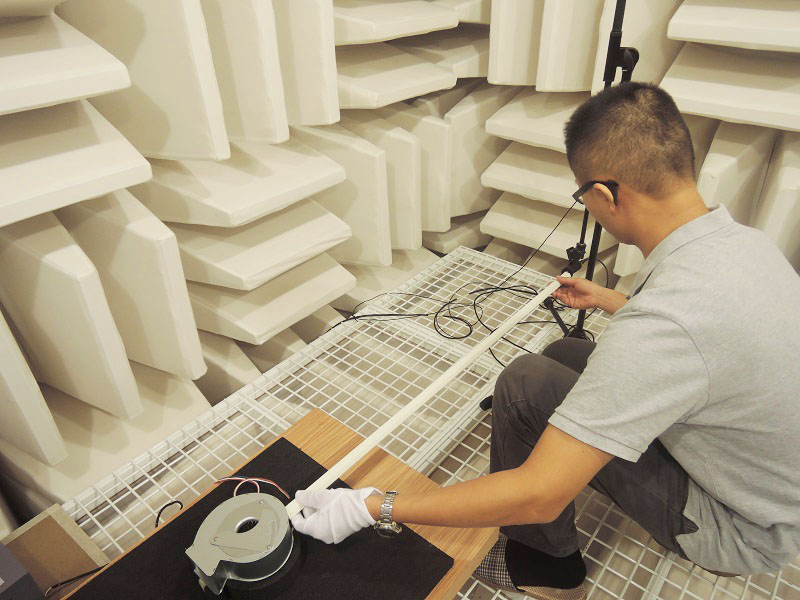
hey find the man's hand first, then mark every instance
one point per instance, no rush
(333, 515)
(584, 294)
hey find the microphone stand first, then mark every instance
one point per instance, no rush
(626, 59)
(617, 56)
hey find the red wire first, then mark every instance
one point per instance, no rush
(254, 480)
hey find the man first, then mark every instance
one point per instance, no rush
(685, 413)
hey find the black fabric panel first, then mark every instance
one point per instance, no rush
(363, 566)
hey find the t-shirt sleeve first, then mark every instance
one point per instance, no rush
(644, 375)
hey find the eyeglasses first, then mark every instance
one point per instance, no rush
(610, 184)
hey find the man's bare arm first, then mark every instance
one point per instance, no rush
(583, 294)
(558, 468)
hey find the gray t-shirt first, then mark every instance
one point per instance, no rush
(706, 358)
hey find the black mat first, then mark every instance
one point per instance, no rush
(363, 566)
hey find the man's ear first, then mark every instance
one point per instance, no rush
(606, 195)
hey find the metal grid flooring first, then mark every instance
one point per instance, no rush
(361, 373)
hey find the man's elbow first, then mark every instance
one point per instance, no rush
(541, 508)
(545, 512)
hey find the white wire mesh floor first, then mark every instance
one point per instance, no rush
(362, 372)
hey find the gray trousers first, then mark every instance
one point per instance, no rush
(651, 491)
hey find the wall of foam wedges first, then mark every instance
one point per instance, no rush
(732, 67)
(190, 187)
(256, 170)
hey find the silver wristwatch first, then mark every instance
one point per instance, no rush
(385, 525)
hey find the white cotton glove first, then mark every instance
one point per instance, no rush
(332, 515)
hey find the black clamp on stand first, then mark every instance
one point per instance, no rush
(625, 59)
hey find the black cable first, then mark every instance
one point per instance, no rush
(443, 318)
(167, 505)
(55, 586)
(552, 231)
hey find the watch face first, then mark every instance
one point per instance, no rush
(389, 531)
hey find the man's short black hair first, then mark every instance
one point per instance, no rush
(634, 133)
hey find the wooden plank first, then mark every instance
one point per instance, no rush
(327, 441)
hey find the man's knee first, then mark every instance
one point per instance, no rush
(534, 380)
(570, 352)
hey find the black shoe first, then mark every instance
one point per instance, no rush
(493, 571)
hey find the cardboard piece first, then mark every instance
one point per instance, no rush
(229, 369)
(321, 320)
(275, 350)
(465, 231)
(778, 211)
(246, 257)
(403, 173)
(514, 39)
(529, 222)
(763, 25)
(473, 149)
(28, 8)
(373, 281)
(52, 157)
(57, 304)
(53, 549)
(244, 46)
(434, 136)
(369, 21)
(27, 422)
(756, 88)
(374, 75)
(535, 173)
(645, 28)
(536, 118)
(255, 316)
(438, 103)
(256, 181)
(173, 109)
(44, 61)
(308, 60)
(568, 45)
(362, 201)
(99, 443)
(735, 167)
(137, 259)
(469, 11)
(464, 51)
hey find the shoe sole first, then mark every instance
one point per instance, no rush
(541, 593)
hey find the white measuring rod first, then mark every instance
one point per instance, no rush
(360, 451)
